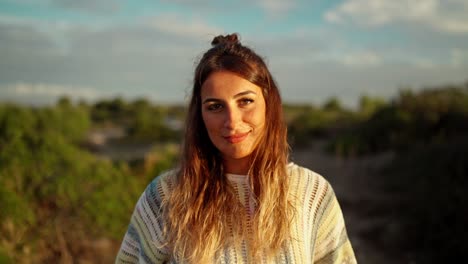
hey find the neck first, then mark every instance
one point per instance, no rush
(237, 166)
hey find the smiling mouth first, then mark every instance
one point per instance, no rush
(236, 138)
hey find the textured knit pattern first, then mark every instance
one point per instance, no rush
(318, 228)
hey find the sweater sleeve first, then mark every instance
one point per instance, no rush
(143, 241)
(332, 242)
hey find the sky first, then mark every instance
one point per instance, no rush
(316, 49)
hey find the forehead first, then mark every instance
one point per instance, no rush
(226, 84)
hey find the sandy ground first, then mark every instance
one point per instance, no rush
(352, 180)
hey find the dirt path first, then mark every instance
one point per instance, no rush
(351, 179)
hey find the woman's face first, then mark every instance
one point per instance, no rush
(233, 110)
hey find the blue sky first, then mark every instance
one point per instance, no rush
(316, 49)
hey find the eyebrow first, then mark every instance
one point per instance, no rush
(208, 100)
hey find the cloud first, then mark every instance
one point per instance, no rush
(45, 93)
(153, 57)
(441, 15)
(276, 7)
(93, 6)
(318, 46)
(425, 63)
(365, 58)
(54, 90)
(136, 59)
(459, 57)
(182, 26)
(88, 6)
(26, 2)
(313, 65)
(273, 8)
(314, 82)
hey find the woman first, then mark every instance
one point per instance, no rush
(234, 197)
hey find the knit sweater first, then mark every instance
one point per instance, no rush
(318, 224)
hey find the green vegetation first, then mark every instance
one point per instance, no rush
(427, 131)
(430, 169)
(430, 215)
(143, 121)
(430, 116)
(308, 122)
(54, 194)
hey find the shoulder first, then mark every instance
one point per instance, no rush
(160, 186)
(304, 177)
(314, 194)
(312, 190)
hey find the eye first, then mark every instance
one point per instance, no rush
(214, 107)
(245, 101)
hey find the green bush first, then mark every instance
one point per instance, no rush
(47, 181)
(14, 207)
(308, 123)
(432, 182)
(432, 115)
(4, 258)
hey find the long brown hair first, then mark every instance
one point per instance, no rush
(201, 209)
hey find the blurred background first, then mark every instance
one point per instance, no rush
(92, 107)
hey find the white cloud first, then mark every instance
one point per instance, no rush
(178, 25)
(365, 59)
(451, 25)
(153, 57)
(425, 64)
(93, 6)
(380, 12)
(273, 8)
(50, 90)
(459, 57)
(89, 6)
(276, 7)
(333, 17)
(143, 58)
(350, 59)
(442, 15)
(27, 2)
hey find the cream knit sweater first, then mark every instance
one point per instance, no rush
(318, 224)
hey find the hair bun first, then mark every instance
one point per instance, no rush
(230, 39)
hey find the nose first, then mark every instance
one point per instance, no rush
(232, 118)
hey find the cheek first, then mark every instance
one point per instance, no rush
(210, 122)
(258, 118)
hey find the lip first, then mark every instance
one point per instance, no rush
(237, 137)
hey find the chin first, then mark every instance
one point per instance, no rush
(234, 154)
